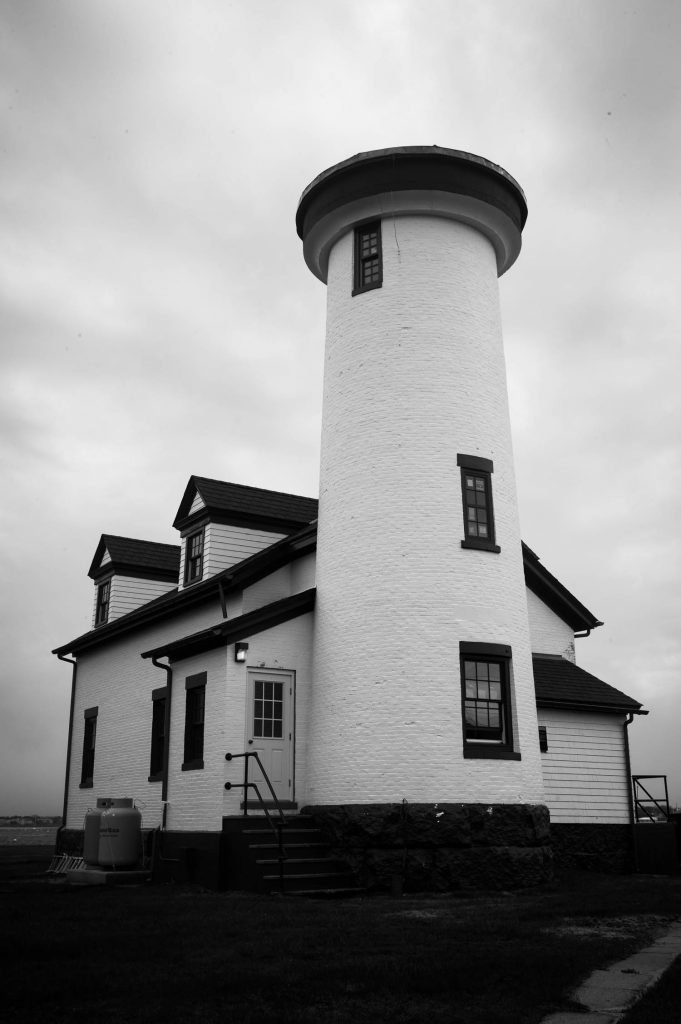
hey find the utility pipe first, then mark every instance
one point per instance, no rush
(69, 742)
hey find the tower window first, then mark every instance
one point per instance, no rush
(485, 686)
(368, 258)
(478, 510)
(193, 563)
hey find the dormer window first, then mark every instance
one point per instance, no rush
(102, 608)
(193, 564)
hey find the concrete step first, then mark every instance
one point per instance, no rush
(310, 866)
(300, 882)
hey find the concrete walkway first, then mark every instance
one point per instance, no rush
(607, 995)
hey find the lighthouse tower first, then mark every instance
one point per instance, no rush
(422, 688)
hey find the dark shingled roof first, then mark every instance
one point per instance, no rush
(249, 506)
(558, 683)
(552, 592)
(133, 557)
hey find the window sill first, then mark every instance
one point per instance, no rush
(481, 545)
(366, 288)
(158, 777)
(192, 766)
(85, 785)
(483, 752)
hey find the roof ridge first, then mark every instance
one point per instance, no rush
(252, 487)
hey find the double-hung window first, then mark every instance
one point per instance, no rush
(195, 713)
(368, 262)
(102, 606)
(193, 561)
(159, 699)
(486, 700)
(87, 769)
(478, 510)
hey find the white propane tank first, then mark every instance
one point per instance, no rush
(119, 835)
(91, 831)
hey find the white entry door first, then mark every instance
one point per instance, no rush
(269, 725)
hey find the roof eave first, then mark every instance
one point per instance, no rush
(244, 626)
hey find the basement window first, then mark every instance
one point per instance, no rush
(485, 695)
(478, 510)
(368, 262)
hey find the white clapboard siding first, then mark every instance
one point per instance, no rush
(198, 503)
(585, 771)
(224, 546)
(128, 593)
(548, 633)
(227, 545)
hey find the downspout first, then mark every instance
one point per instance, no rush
(166, 727)
(630, 795)
(69, 742)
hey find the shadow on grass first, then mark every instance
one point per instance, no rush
(152, 954)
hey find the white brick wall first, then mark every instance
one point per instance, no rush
(117, 680)
(414, 375)
(288, 647)
(550, 635)
(584, 768)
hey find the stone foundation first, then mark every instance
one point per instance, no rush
(440, 847)
(593, 847)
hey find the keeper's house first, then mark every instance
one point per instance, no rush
(401, 663)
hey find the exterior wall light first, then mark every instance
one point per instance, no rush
(240, 651)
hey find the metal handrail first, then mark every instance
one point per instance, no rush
(276, 826)
(661, 803)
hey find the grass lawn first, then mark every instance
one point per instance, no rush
(176, 954)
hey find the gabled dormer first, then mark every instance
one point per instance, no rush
(221, 524)
(128, 573)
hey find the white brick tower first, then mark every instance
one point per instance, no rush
(422, 688)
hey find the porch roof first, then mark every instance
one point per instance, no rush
(559, 683)
(240, 628)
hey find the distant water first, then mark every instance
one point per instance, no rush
(29, 836)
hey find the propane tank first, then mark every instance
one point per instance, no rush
(91, 831)
(119, 835)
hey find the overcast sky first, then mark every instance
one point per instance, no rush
(158, 319)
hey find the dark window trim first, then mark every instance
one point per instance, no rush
(102, 602)
(193, 565)
(483, 468)
(199, 679)
(498, 654)
(359, 263)
(475, 462)
(543, 739)
(87, 768)
(158, 738)
(193, 759)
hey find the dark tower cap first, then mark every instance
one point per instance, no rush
(391, 177)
